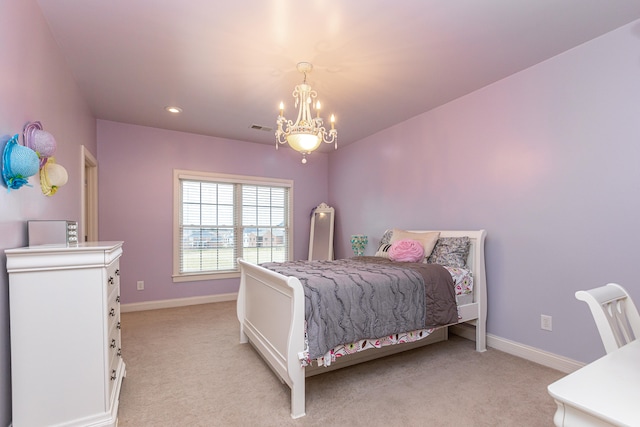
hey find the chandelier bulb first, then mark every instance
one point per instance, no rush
(304, 160)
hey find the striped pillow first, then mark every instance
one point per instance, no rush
(383, 250)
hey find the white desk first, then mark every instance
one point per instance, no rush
(603, 393)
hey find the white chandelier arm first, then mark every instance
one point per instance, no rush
(284, 127)
(331, 137)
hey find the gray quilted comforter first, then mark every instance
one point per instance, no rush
(369, 297)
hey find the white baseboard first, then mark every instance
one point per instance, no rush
(533, 354)
(178, 302)
(550, 360)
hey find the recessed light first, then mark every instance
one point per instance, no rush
(174, 110)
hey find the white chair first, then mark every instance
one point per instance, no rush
(615, 315)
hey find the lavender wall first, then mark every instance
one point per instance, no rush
(35, 84)
(136, 197)
(545, 160)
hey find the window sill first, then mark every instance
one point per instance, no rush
(201, 277)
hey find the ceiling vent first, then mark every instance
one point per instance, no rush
(264, 128)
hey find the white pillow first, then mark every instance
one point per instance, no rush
(427, 239)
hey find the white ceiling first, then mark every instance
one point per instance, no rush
(228, 64)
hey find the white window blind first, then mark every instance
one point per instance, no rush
(264, 224)
(223, 217)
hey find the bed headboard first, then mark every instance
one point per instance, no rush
(475, 260)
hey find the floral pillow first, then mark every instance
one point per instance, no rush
(427, 239)
(451, 251)
(406, 250)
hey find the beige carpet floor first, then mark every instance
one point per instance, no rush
(186, 367)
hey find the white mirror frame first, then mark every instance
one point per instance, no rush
(321, 236)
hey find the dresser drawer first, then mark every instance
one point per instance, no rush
(113, 275)
(115, 357)
(113, 312)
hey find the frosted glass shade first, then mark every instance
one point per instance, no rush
(303, 142)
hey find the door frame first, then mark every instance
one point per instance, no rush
(89, 196)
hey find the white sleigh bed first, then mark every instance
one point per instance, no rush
(271, 311)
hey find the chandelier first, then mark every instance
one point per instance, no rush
(307, 133)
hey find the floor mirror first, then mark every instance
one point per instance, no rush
(321, 237)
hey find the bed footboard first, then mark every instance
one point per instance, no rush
(271, 314)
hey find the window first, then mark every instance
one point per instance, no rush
(219, 218)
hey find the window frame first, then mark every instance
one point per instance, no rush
(181, 174)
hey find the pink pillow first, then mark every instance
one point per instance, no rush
(406, 250)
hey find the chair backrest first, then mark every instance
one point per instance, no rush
(615, 315)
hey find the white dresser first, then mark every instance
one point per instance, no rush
(66, 361)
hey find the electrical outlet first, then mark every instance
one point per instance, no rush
(141, 285)
(545, 322)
